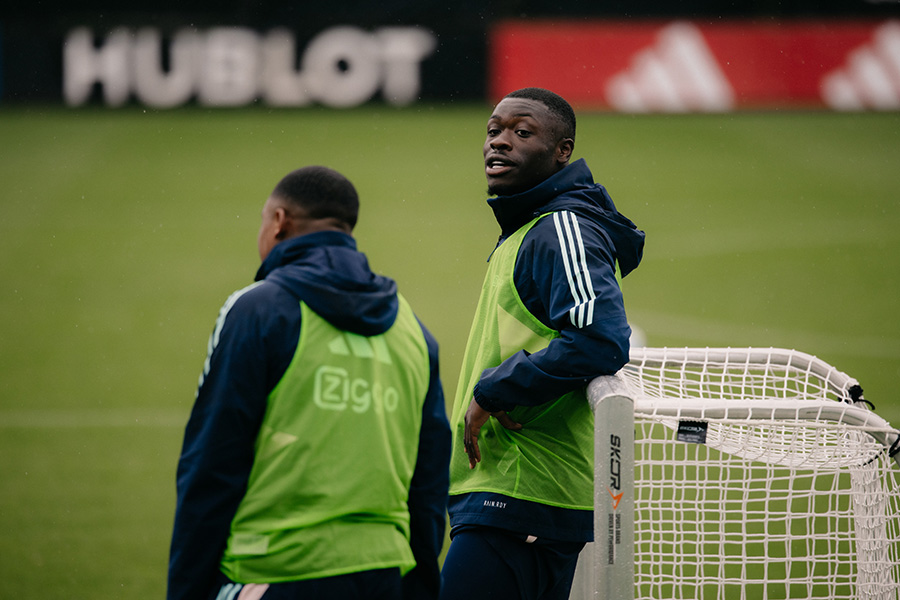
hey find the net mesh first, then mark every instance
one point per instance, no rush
(792, 495)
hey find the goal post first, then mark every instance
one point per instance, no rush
(753, 473)
(613, 488)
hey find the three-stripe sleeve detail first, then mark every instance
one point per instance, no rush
(578, 275)
(217, 331)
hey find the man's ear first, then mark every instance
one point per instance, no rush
(281, 223)
(564, 150)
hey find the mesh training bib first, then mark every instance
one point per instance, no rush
(550, 460)
(334, 458)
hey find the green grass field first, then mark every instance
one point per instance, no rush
(123, 231)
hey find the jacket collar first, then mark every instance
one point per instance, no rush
(290, 250)
(516, 210)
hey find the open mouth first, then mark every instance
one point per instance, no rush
(497, 165)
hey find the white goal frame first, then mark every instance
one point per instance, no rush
(740, 473)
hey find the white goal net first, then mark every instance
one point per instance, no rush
(757, 474)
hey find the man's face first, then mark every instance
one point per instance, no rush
(523, 146)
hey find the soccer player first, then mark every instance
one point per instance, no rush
(549, 320)
(315, 461)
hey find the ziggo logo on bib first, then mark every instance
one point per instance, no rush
(335, 389)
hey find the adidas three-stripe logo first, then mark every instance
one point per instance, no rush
(361, 347)
(871, 76)
(677, 74)
(574, 260)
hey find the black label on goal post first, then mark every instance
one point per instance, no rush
(692, 432)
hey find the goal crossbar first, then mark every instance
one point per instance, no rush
(812, 412)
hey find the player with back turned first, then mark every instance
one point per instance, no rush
(550, 319)
(315, 459)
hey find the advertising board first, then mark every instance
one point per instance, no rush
(685, 66)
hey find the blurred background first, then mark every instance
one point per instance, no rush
(757, 144)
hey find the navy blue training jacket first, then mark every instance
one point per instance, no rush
(254, 339)
(565, 274)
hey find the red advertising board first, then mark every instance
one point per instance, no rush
(687, 66)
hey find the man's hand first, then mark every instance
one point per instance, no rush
(476, 417)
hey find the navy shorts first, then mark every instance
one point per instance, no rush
(488, 563)
(380, 584)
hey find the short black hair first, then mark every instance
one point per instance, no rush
(561, 109)
(321, 192)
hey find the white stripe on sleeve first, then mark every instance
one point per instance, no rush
(574, 260)
(217, 331)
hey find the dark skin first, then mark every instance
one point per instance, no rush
(282, 221)
(524, 146)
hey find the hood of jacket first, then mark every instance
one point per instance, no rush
(327, 272)
(573, 189)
